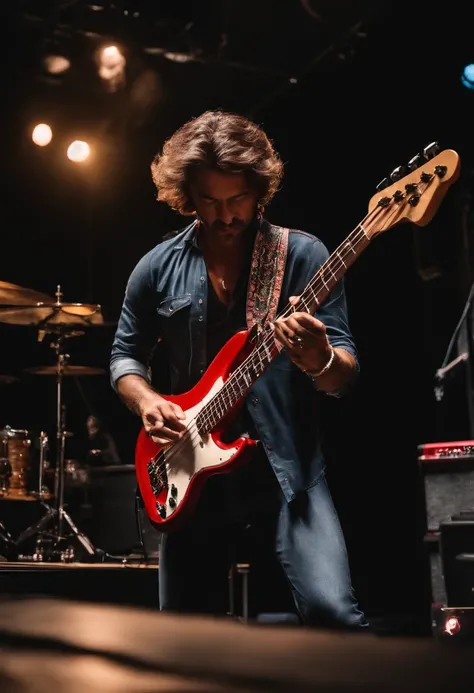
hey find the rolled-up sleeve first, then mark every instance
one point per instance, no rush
(138, 327)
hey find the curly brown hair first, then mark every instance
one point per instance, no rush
(219, 140)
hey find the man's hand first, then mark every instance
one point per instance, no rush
(305, 339)
(163, 420)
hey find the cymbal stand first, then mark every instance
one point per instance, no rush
(62, 360)
(62, 548)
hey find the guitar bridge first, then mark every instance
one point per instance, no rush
(157, 473)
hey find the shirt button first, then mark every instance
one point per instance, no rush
(202, 279)
(201, 318)
(200, 301)
(202, 371)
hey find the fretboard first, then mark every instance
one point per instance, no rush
(314, 294)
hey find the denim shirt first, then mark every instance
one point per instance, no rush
(166, 300)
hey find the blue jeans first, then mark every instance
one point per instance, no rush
(304, 538)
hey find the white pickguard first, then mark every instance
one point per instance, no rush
(187, 457)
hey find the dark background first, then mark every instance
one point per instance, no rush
(347, 91)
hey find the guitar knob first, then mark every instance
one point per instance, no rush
(397, 173)
(174, 491)
(172, 502)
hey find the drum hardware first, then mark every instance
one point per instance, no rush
(43, 443)
(59, 321)
(59, 544)
(16, 444)
(15, 464)
(7, 545)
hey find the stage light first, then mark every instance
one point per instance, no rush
(111, 56)
(467, 77)
(42, 135)
(78, 151)
(111, 65)
(56, 64)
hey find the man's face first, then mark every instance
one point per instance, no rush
(224, 202)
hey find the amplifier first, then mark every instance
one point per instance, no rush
(457, 559)
(447, 471)
(115, 521)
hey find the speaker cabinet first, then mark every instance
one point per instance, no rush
(457, 558)
(447, 491)
(448, 488)
(117, 524)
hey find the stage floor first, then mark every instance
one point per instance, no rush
(134, 582)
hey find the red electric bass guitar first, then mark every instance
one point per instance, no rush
(171, 477)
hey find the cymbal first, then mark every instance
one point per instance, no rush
(14, 295)
(65, 370)
(53, 313)
(8, 379)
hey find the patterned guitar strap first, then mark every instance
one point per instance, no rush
(266, 274)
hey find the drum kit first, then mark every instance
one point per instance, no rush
(55, 533)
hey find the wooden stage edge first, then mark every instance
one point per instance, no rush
(75, 565)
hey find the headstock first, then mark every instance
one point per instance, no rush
(413, 193)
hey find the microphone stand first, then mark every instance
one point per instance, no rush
(466, 356)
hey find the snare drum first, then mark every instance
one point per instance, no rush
(16, 448)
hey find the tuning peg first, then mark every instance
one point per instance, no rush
(383, 184)
(414, 163)
(431, 150)
(397, 173)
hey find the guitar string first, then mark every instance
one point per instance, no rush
(269, 340)
(191, 426)
(193, 432)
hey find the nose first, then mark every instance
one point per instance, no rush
(225, 214)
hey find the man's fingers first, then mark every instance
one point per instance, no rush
(164, 432)
(171, 428)
(308, 322)
(179, 413)
(160, 441)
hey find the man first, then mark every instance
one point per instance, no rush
(190, 294)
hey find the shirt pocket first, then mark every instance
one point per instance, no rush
(170, 305)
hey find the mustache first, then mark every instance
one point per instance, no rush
(221, 226)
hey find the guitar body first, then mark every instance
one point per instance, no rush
(170, 478)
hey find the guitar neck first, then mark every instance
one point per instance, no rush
(331, 272)
(312, 297)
